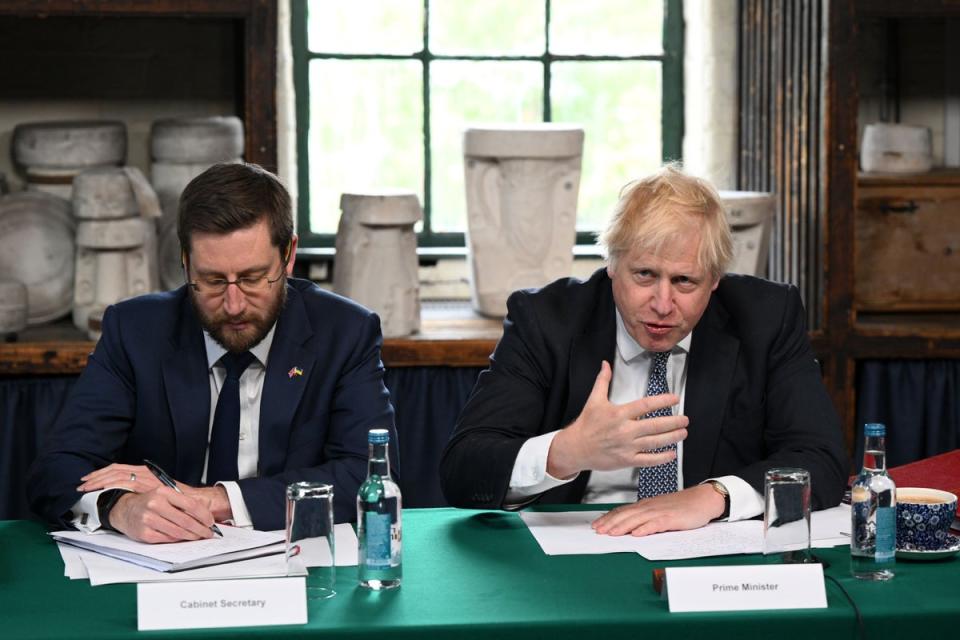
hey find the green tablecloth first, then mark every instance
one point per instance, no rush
(480, 574)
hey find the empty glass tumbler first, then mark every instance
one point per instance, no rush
(786, 514)
(310, 537)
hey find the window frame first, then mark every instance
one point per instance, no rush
(671, 106)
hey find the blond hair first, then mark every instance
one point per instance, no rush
(656, 210)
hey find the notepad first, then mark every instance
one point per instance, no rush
(236, 544)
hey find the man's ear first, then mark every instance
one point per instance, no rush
(291, 254)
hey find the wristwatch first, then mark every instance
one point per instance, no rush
(105, 503)
(722, 490)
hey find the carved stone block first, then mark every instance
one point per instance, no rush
(377, 257)
(750, 214)
(522, 185)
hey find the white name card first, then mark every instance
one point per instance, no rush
(206, 604)
(744, 588)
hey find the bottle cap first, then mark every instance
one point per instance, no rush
(874, 429)
(378, 436)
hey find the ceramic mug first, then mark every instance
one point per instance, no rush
(924, 517)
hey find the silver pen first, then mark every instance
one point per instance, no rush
(168, 481)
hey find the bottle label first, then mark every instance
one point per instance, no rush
(886, 534)
(378, 540)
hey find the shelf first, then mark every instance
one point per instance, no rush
(451, 335)
(935, 178)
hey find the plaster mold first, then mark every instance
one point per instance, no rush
(377, 257)
(522, 186)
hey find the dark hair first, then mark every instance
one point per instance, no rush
(232, 196)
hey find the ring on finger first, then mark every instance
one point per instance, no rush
(133, 477)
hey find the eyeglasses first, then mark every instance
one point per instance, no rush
(250, 285)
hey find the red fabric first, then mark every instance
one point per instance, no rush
(938, 472)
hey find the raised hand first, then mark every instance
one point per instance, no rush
(607, 436)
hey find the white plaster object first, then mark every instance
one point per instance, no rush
(896, 148)
(193, 140)
(522, 185)
(116, 239)
(37, 248)
(750, 214)
(170, 179)
(56, 182)
(377, 257)
(70, 144)
(13, 306)
(181, 149)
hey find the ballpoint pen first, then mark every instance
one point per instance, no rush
(168, 481)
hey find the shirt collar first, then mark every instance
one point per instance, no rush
(215, 351)
(629, 349)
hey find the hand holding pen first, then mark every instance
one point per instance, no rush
(168, 481)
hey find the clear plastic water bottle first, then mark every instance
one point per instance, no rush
(378, 519)
(873, 508)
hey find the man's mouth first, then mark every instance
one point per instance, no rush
(657, 329)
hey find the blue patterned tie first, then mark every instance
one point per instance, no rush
(225, 435)
(662, 478)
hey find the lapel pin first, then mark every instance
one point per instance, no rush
(294, 372)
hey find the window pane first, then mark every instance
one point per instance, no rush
(465, 93)
(606, 27)
(365, 26)
(618, 104)
(366, 131)
(487, 27)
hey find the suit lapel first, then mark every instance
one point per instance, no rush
(288, 369)
(710, 367)
(187, 383)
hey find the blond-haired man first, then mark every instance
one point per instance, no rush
(659, 382)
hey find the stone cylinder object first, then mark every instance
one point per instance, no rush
(522, 185)
(13, 307)
(37, 249)
(52, 154)
(750, 214)
(181, 149)
(896, 148)
(377, 257)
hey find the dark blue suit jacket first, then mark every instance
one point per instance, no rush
(754, 394)
(145, 393)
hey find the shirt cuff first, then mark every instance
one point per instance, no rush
(241, 516)
(86, 515)
(529, 477)
(745, 501)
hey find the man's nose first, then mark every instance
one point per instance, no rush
(234, 300)
(662, 303)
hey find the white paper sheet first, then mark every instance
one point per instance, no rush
(73, 566)
(100, 569)
(569, 532)
(235, 543)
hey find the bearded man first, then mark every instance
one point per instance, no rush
(236, 384)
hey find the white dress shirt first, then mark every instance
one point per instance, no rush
(631, 369)
(85, 516)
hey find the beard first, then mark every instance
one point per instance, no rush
(258, 323)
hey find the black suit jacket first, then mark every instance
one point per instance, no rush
(754, 395)
(145, 393)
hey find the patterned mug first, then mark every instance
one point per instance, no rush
(924, 517)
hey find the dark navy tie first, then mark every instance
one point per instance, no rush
(662, 478)
(225, 436)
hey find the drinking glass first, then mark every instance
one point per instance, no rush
(310, 537)
(786, 514)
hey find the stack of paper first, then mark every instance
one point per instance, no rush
(569, 533)
(236, 544)
(81, 563)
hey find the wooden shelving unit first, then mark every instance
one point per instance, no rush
(855, 329)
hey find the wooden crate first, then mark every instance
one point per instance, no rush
(907, 251)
